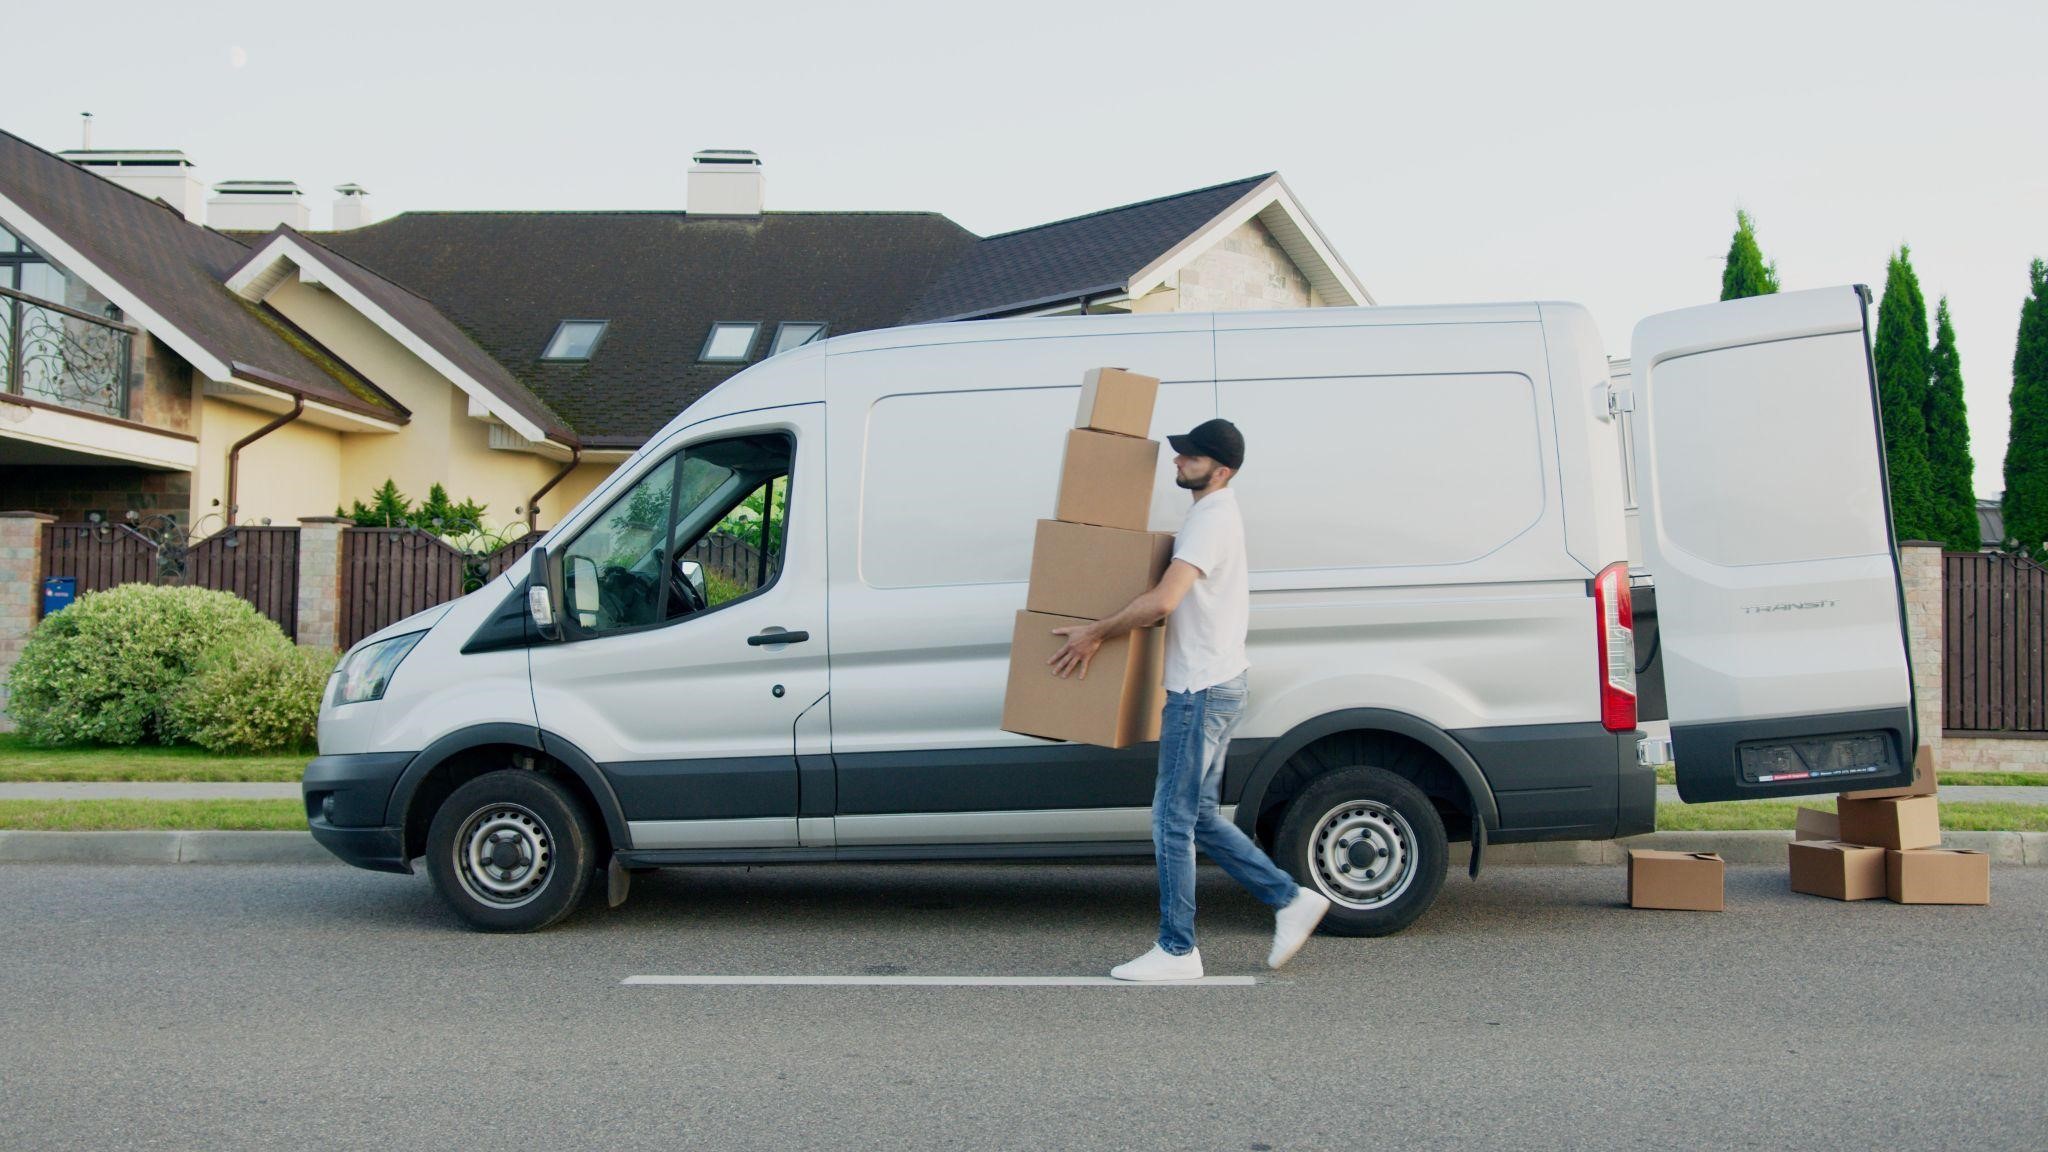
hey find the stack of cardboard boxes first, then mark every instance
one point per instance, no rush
(1087, 562)
(1886, 842)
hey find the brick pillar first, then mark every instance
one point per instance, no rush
(1921, 569)
(21, 589)
(320, 580)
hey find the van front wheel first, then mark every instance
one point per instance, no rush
(1371, 842)
(511, 851)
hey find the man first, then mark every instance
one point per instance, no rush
(1205, 598)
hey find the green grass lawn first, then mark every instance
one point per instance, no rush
(117, 815)
(1668, 775)
(1967, 817)
(22, 762)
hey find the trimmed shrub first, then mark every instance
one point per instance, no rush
(262, 700)
(104, 669)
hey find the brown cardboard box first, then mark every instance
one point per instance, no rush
(1911, 822)
(1814, 824)
(1081, 570)
(1835, 869)
(1938, 876)
(1106, 480)
(1922, 785)
(1687, 880)
(1116, 706)
(1113, 400)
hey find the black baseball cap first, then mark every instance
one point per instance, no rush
(1219, 440)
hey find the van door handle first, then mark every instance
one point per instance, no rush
(777, 636)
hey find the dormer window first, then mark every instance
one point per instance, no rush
(574, 339)
(795, 334)
(730, 342)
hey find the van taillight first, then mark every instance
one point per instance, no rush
(1616, 620)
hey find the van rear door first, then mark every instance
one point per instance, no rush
(1766, 523)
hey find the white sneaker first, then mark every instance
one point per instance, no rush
(1159, 964)
(1293, 925)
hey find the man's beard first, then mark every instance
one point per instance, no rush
(1194, 484)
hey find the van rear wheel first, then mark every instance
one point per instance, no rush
(511, 851)
(1371, 842)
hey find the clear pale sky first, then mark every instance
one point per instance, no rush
(1586, 152)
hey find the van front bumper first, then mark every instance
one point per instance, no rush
(346, 801)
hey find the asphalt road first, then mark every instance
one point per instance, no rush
(245, 1006)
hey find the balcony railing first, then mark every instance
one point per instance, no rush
(63, 356)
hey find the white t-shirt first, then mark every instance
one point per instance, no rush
(1205, 634)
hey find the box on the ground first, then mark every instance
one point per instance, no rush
(1113, 400)
(1922, 785)
(1938, 876)
(1908, 822)
(1683, 880)
(1106, 480)
(1836, 869)
(1081, 570)
(1816, 824)
(1117, 705)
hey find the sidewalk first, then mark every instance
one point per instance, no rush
(1956, 794)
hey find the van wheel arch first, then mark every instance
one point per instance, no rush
(463, 755)
(1406, 745)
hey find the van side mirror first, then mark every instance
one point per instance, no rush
(541, 596)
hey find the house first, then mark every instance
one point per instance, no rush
(216, 360)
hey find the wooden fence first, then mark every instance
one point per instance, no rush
(1994, 671)
(388, 574)
(259, 564)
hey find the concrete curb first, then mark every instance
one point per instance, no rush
(2013, 849)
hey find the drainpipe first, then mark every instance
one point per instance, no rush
(235, 453)
(533, 503)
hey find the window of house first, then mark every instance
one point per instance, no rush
(730, 341)
(574, 339)
(795, 334)
(699, 531)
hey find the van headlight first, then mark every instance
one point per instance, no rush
(365, 673)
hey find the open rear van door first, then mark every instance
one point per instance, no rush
(1766, 524)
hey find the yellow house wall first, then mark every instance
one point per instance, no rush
(442, 444)
(292, 472)
(573, 488)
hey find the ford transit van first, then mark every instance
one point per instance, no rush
(1446, 643)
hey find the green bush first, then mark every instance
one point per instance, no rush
(261, 700)
(103, 670)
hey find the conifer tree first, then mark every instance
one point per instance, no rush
(1746, 274)
(2026, 448)
(1948, 442)
(1902, 357)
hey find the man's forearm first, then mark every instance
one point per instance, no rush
(1142, 612)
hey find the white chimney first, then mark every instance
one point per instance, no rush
(725, 182)
(351, 207)
(158, 173)
(256, 206)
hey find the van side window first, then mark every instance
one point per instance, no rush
(699, 530)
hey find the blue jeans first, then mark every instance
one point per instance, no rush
(1194, 732)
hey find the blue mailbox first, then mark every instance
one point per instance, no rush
(59, 592)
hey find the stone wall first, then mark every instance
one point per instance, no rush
(21, 549)
(1246, 269)
(1922, 572)
(71, 492)
(163, 399)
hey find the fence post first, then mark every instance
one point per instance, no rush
(21, 586)
(1920, 569)
(320, 580)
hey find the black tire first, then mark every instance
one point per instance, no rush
(541, 845)
(1346, 824)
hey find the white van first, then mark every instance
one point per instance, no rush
(1444, 638)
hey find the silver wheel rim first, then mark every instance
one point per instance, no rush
(1362, 854)
(504, 855)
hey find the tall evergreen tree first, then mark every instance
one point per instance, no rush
(1948, 442)
(1902, 371)
(2026, 447)
(1746, 274)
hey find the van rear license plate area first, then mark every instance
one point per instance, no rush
(1852, 754)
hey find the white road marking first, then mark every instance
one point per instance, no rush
(944, 981)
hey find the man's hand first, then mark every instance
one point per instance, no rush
(1082, 642)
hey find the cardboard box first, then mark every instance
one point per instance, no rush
(1938, 876)
(1814, 824)
(1922, 785)
(1113, 400)
(1911, 822)
(1684, 880)
(1837, 870)
(1081, 570)
(1107, 480)
(1117, 705)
